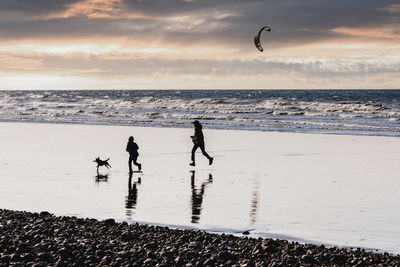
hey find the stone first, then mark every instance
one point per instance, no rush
(109, 222)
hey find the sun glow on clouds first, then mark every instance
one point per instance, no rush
(120, 66)
(388, 34)
(91, 9)
(194, 48)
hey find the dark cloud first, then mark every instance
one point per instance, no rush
(284, 15)
(19, 9)
(72, 27)
(227, 22)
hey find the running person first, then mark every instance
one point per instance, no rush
(132, 148)
(198, 142)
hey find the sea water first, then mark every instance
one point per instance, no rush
(355, 112)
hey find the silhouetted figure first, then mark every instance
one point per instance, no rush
(197, 197)
(102, 163)
(132, 148)
(198, 141)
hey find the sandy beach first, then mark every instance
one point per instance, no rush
(334, 190)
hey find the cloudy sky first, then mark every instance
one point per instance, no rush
(194, 44)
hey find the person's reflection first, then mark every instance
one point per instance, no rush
(131, 198)
(254, 203)
(197, 196)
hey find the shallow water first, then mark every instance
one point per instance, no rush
(330, 189)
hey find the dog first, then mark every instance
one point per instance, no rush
(102, 163)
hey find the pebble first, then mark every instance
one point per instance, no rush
(41, 239)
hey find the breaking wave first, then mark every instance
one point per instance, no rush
(366, 112)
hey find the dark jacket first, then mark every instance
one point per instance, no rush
(132, 148)
(198, 135)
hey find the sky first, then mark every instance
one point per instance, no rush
(199, 44)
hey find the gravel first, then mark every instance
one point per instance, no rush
(41, 239)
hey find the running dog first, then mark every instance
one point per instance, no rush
(102, 163)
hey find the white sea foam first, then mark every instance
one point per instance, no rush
(372, 112)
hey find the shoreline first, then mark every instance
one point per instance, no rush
(44, 239)
(188, 125)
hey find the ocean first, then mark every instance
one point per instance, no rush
(354, 112)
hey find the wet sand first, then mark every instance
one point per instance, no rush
(321, 189)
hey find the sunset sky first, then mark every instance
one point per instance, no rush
(195, 44)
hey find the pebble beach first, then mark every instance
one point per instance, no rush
(42, 239)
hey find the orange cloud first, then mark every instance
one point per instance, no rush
(91, 9)
(109, 9)
(388, 33)
(17, 62)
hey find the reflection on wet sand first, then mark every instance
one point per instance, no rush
(197, 196)
(254, 203)
(100, 178)
(131, 198)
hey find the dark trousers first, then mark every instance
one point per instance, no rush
(203, 150)
(133, 158)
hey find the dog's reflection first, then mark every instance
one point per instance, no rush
(197, 196)
(131, 198)
(100, 178)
